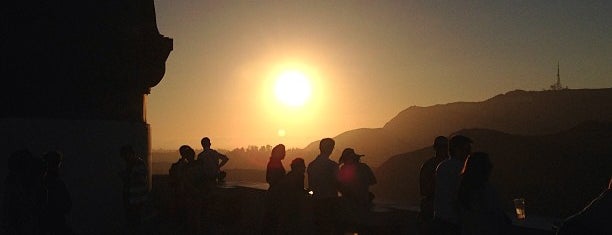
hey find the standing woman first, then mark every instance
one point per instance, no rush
(479, 205)
(275, 172)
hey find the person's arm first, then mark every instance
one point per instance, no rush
(336, 177)
(371, 176)
(223, 159)
(66, 203)
(426, 180)
(268, 173)
(138, 184)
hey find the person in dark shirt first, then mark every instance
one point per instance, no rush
(480, 209)
(355, 178)
(24, 194)
(191, 190)
(294, 195)
(323, 181)
(428, 184)
(275, 172)
(59, 203)
(135, 188)
(177, 173)
(212, 162)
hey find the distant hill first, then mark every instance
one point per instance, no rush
(374, 143)
(516, 112)
(558, 173)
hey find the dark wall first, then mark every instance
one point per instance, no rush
(79, 59)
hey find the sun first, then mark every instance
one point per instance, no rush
(293, 88)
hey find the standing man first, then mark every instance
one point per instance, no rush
(134, 186)
(322, 180)
(59, 203)
(212, 160)
(428, 184)
(448, 176)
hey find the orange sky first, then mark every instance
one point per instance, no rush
(368, 61)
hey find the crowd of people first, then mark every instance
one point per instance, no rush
(334, 189)
(339, 192)
(193, 181)
(457, 197)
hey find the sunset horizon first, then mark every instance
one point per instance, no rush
(306, 117)
(366, 62)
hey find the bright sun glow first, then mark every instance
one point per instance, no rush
(293, 88)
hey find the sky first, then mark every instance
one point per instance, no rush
(366, 61)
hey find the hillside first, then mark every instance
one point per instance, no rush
(516, 112)
(557, 173)
(371, 142)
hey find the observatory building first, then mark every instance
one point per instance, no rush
(75, 77)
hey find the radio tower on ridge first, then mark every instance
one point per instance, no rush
(557, 86)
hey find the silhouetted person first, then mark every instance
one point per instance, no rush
(58, 203)
(275, 172)
(177, 185)
(134, 186)
(293, 197)
(448, 175)
(427, 182)
(322, 180)
(355, 179)
(24, 194)
(193, 190)
(594, 219)
(211, 161)
(480, 208)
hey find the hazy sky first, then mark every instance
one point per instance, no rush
(367, 61)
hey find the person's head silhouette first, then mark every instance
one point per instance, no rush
(128, 154)
(326, 146)
(298, 165)
(477, 167)
(187, 153)
(349, 156)
(441, 146)
(53, 160)
(278, 152)
(460, 147)
(205, 143)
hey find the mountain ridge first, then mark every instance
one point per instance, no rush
(514, 112)
(557, 173)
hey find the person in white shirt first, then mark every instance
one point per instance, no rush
(448, 176)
